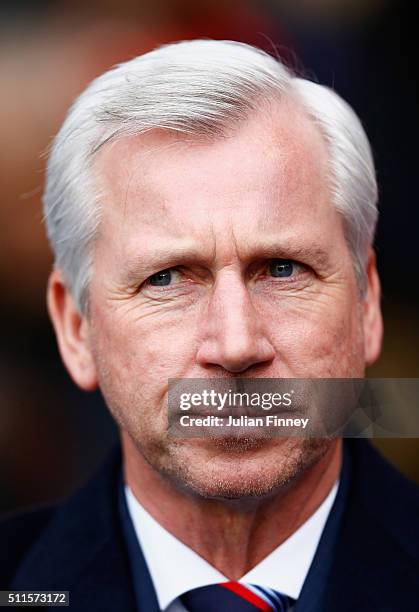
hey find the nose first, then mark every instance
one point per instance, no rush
(233, 332)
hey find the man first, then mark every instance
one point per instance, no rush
(212, 217)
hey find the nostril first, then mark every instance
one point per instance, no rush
(236, 356)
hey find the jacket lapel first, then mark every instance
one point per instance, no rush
(374, 566)
(83, 551)
(370, 571)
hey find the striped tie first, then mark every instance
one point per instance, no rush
(235, 597)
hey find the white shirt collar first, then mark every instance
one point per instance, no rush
(175, 568)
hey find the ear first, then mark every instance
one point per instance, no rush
(71, 329)
(373, 323)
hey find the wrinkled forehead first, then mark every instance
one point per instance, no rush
(272, 171)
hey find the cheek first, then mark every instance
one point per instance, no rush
(142, 353)
(320, 340)
(130, 380)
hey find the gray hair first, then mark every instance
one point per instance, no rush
(202, 88)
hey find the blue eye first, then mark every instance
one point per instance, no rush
(161, 279)
(280, 268)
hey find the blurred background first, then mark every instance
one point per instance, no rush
(52, 436)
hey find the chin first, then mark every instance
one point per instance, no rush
(240, 469)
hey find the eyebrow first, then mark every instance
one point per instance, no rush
(159, 259)
(315, 254)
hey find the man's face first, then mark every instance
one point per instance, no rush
(215, 259)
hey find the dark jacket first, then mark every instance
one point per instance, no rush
(79, 546)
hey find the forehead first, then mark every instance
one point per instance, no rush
(270, 174)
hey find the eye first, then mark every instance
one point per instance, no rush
(162, 278)
(280, 268)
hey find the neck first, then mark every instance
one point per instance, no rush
(231, 536)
